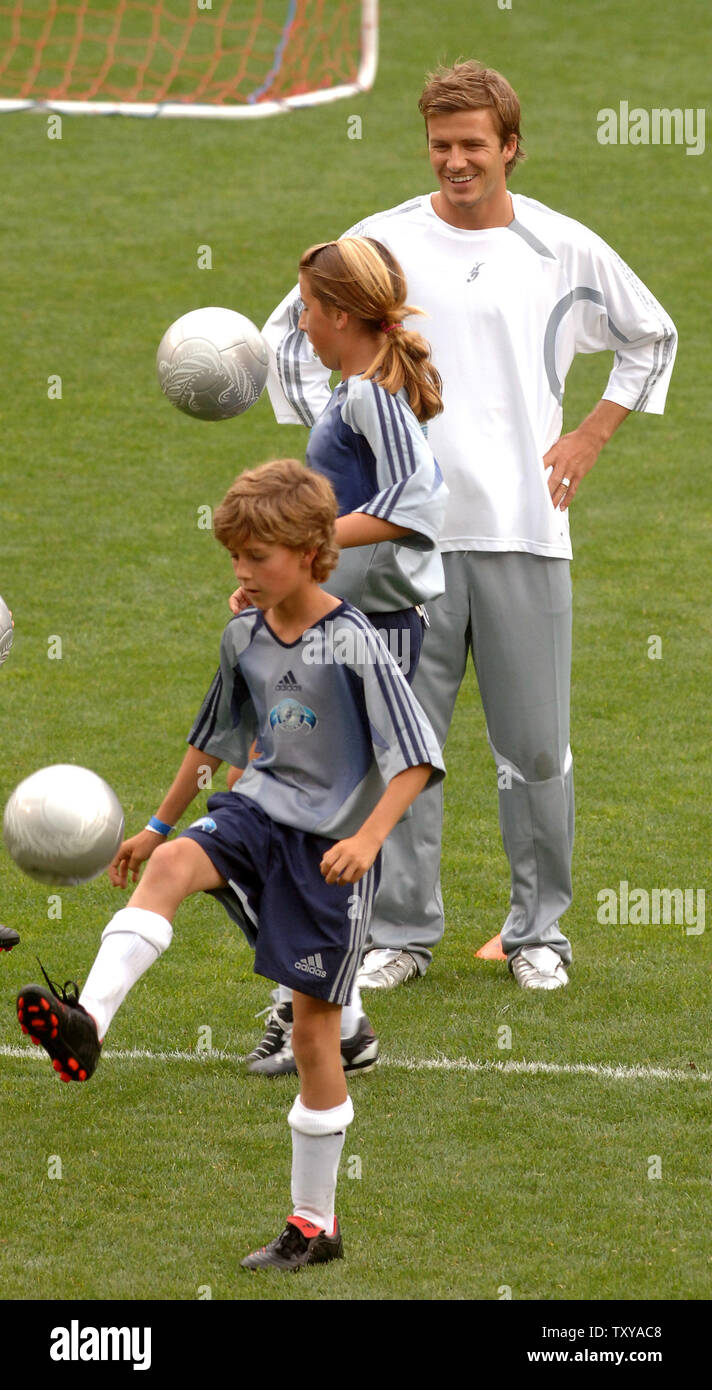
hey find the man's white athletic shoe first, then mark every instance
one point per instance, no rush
(384, 969)
(539, 967)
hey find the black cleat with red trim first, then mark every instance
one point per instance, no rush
(300, 1243)
(8, 938)
(59, 1024)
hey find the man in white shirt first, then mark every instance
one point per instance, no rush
(513, 291)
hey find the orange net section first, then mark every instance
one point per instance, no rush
(214, 52)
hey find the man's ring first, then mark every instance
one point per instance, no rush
(566, 482)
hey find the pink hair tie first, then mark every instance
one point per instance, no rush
(388, 327)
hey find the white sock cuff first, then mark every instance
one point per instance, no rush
(150, 926)
(321, 1122)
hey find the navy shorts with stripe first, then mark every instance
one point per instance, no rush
(307, 934)
(402, 632)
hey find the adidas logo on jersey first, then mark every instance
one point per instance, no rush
(311, 965)
(288, 682)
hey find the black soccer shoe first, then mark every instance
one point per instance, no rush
(300, 1244)
(358, 1053)
(60, 1024)
(8, 938)
(273, 1055)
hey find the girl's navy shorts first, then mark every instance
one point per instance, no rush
(402, 632)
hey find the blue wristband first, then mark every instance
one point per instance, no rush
(159, 826)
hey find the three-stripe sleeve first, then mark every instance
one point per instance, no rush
(401, 733)
(297, 382)
(411, 491)
(226, 723)
(630, 322)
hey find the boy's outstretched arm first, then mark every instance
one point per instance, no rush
(186, 785)
(348, 860)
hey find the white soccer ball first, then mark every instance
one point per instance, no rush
(63, 825)
(212, 363)
(6, 631)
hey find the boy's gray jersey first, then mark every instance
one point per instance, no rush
(370, 446)
(334, 720)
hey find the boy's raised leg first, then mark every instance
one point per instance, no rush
(71, 1028)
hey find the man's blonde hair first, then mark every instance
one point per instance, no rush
(281, 503)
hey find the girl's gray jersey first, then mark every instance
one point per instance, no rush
(370, 446)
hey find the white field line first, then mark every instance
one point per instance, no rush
(602, 1070)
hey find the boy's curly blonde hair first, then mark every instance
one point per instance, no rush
(281, 503)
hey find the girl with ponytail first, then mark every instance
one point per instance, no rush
(369, 442)
(359, 277)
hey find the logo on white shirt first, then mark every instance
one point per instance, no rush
(475, 271)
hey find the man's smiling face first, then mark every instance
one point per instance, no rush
(469, 161)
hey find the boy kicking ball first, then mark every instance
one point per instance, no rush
(292, 852)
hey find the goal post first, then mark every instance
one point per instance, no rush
(200, 58)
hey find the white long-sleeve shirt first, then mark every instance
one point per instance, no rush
(508, 309)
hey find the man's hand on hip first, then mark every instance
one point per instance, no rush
(574, 454)
(570, 459)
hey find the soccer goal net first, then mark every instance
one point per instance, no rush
(184, 57)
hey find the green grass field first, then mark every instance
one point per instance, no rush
(464, 1174)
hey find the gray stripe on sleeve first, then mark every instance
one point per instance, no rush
(668, 335)
(399, 426)
(555, 317)
(398, 700)
(387, 503)
(288, 366)
(658, 369)
(358, 932)
(363, 228)
(204, 726)
(617, 332)
(531, 239)
(393, 454)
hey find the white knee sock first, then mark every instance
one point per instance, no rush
(350, 1013)
(133, 940)
(317, 1140)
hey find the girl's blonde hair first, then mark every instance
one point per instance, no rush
(281, 503)
(360, 276)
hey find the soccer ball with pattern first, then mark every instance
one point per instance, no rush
(63, 825)
(6, 633)
(212, 363)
